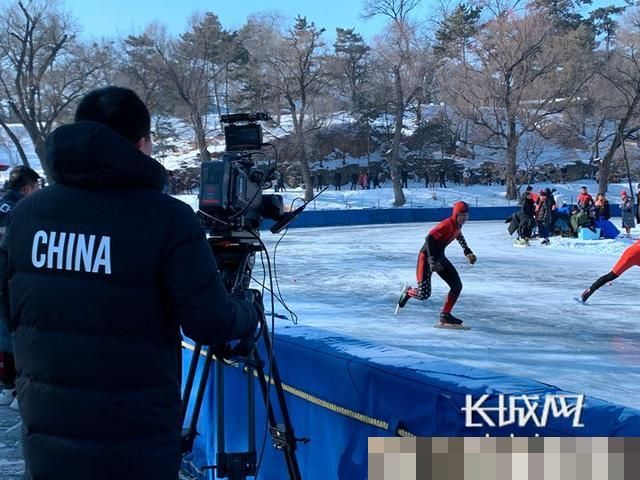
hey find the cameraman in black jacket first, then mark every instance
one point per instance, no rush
(101, 271)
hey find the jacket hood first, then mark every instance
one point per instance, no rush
(90, 154)
(459, 207)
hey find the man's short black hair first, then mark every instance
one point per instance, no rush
(119, 108)
(22, 176)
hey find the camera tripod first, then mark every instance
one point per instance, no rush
(235, 256)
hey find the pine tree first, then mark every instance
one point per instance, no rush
(352, 52)
(456, 30)
(604, 24)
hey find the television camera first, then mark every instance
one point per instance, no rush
(232, 207)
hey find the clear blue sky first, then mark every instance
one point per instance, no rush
(121, 17)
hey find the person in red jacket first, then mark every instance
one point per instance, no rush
(584, 199)
(432, 259)
(629, 258)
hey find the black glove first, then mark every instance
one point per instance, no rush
(248, 338)
(246, 345)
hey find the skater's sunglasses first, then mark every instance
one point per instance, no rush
(462, 217)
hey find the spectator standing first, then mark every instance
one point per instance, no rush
(23, 181)
(627, 212)
(602, 207)
(337, 180)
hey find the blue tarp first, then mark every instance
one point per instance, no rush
(345, 390)
(607, 229)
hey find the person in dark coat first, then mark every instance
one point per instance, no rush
(549, 194)
(404, 175)
(354, 181)
(98, 273)
(280, 182)
(337, 180)
(442, 177)
(544, 217)
(23, 181)
(602, 207)
(376, 180)
(526, 220)
(626, 207)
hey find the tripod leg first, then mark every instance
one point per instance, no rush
(237, 465)
(284, 438)
(195, 358)
(189, 434)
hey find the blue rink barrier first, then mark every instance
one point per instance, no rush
(341, 390)
(373, 216)
(333, 218)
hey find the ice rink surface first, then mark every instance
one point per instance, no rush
(520, 302)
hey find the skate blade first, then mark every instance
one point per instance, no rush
(404, 289)
(446, 326)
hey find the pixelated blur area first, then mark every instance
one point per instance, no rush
(504, 458)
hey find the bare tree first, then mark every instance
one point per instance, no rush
(620, 94)
(292, 66)
(43, 69)
(401, 53)
(532, 148)
(142, 69)
(521, 70)
(189, 67)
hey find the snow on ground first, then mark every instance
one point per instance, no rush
(520, 302)
(418, 196)
(11, 462)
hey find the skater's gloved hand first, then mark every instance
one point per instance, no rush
(472, 258)
(435, 265)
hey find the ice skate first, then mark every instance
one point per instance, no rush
(448, 319)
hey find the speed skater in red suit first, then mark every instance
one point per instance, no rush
(432, 259)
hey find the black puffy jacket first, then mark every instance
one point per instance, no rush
(102, 270)
(7, 202)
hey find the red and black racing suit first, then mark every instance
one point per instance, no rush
(434, 246)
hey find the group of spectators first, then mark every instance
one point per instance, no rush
(544, 214)
(364, 179)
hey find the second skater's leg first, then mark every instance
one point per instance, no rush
(450, 275)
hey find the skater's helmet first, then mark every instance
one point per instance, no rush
(460, 208)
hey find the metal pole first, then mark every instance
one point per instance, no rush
(626, 161)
